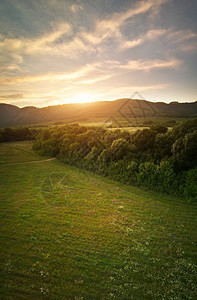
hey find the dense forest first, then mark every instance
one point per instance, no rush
(18, 134)
(156, 158)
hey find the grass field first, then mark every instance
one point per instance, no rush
(130, 125)
(69, 234)
(18, 152)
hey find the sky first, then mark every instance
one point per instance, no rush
(64, 51)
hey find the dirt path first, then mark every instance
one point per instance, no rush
(27, 162)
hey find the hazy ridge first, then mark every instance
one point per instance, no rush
(11, 115)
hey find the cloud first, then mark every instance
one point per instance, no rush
(128, 89)
(150, 35)
(191, 47)
(147, 65)
(81, 75)
(10, 62)
(182, 35)
(96, 72)
(186, 40)
(12, 50)
(11, 97)
(76, 7)
(110, 27)
(61, 41)
(35, 43)
(96, 79)
(118, 68)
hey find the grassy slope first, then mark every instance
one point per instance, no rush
(90, 238)
(18, 152)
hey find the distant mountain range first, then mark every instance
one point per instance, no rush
(11, 115)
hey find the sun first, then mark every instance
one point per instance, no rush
(83, 98)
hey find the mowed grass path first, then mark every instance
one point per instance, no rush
(69, 234)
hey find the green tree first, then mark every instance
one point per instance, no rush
(162, 146)
(144, 139)
(119, 148)
(159, 128)
(184, 151)
(189, 187)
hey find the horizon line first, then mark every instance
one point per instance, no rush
(89, 102)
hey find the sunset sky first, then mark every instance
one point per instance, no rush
(63, 51)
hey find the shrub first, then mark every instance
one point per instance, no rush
(189, 188)
(147, 175)
(132, 170)
(166, 178)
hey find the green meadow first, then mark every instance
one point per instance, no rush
(18, 152)
(69, 234)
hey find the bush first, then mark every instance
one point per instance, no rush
(118, 171)
(132, 170)
(160, 177)
(189, 188)
(166, 178)
(147, 175)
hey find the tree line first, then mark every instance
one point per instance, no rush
(18, 134)
(155, 158)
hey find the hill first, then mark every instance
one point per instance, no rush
(70, 234)
(11, 115)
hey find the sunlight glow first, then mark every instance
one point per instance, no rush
(81, 98)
